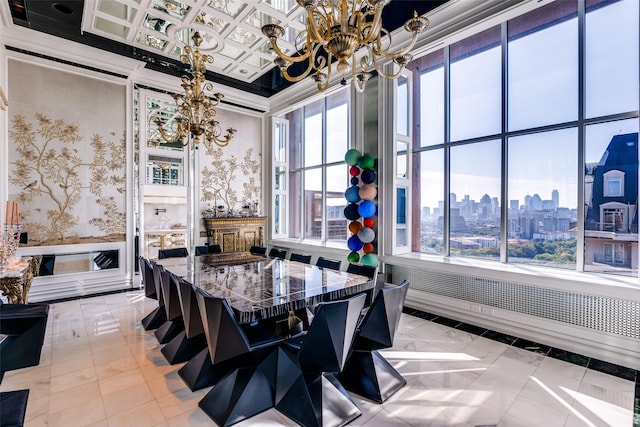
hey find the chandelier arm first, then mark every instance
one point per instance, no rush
(314, 31)
(297, 78)
(391, 55)
(357, 85)
(286, 57)
(386, 75)
(166, 136)
(323, 84)
(321, 62)
(373, 30)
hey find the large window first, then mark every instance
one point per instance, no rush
(317, 174)
(506, 118)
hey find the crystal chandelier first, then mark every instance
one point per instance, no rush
(196, 116)
(342, 28)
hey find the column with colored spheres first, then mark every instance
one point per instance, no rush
(361, 208)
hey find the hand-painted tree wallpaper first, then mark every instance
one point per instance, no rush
(66, 155)
(231, 176)
(220, 175)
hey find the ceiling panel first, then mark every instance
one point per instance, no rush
(155, 31)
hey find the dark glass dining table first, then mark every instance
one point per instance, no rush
(259, 288)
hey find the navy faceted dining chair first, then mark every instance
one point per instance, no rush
(248, 388)
(278, 253)
(173, 253)
(305, 259)
(307, 390)
(366, 372)
(24, 328)
(157, 316)
(323, 262)
(208, 249)
(185, 344)
(362, 270)
(170, 304)
(258, 250)
(198, 372)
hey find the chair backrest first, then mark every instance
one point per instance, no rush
(47, 265)
(327, 343)
(278, 253)
(328, 263)
(169, 286)
(378, 327)
(157, 283)
(146, 270)
(306, 259)
(173, 253)
(224, 335)
(258, 250)
(190, 310)
(362, 270)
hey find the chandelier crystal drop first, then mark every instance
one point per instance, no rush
(342, 28)
(196, 116)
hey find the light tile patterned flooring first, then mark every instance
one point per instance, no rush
(99, 367)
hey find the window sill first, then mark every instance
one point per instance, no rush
(553, 278)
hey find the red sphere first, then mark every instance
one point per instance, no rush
(369, 222)
(367, 248)
(354, 171)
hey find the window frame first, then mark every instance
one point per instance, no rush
(581, 123)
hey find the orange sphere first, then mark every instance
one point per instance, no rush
(355, 226)
(368, 248)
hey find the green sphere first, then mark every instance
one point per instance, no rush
(366, 161)
(353, 257)
(370, 259)
(352, 157)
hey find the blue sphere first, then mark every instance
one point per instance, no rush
(354, 180)
(366, 209)
(352, 194)
(351, 212)
(354, 243)
(368, 176)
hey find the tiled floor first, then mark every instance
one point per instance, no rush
(100, 367)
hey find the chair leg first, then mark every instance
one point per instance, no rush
(316, 402)
(242, 393)
(14, 407)
(369, 375)
(155, 319)
(199, 372)
(168, 331)
(181, 349)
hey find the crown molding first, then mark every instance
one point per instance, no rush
(65, 50)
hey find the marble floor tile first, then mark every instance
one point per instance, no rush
(99, 367)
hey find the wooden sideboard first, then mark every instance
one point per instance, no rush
(235, 234)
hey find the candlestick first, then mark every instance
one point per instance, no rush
(13, 213)
(6, 213)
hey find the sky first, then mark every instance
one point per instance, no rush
(538, 95)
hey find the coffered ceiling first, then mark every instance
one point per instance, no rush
(155, 30)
